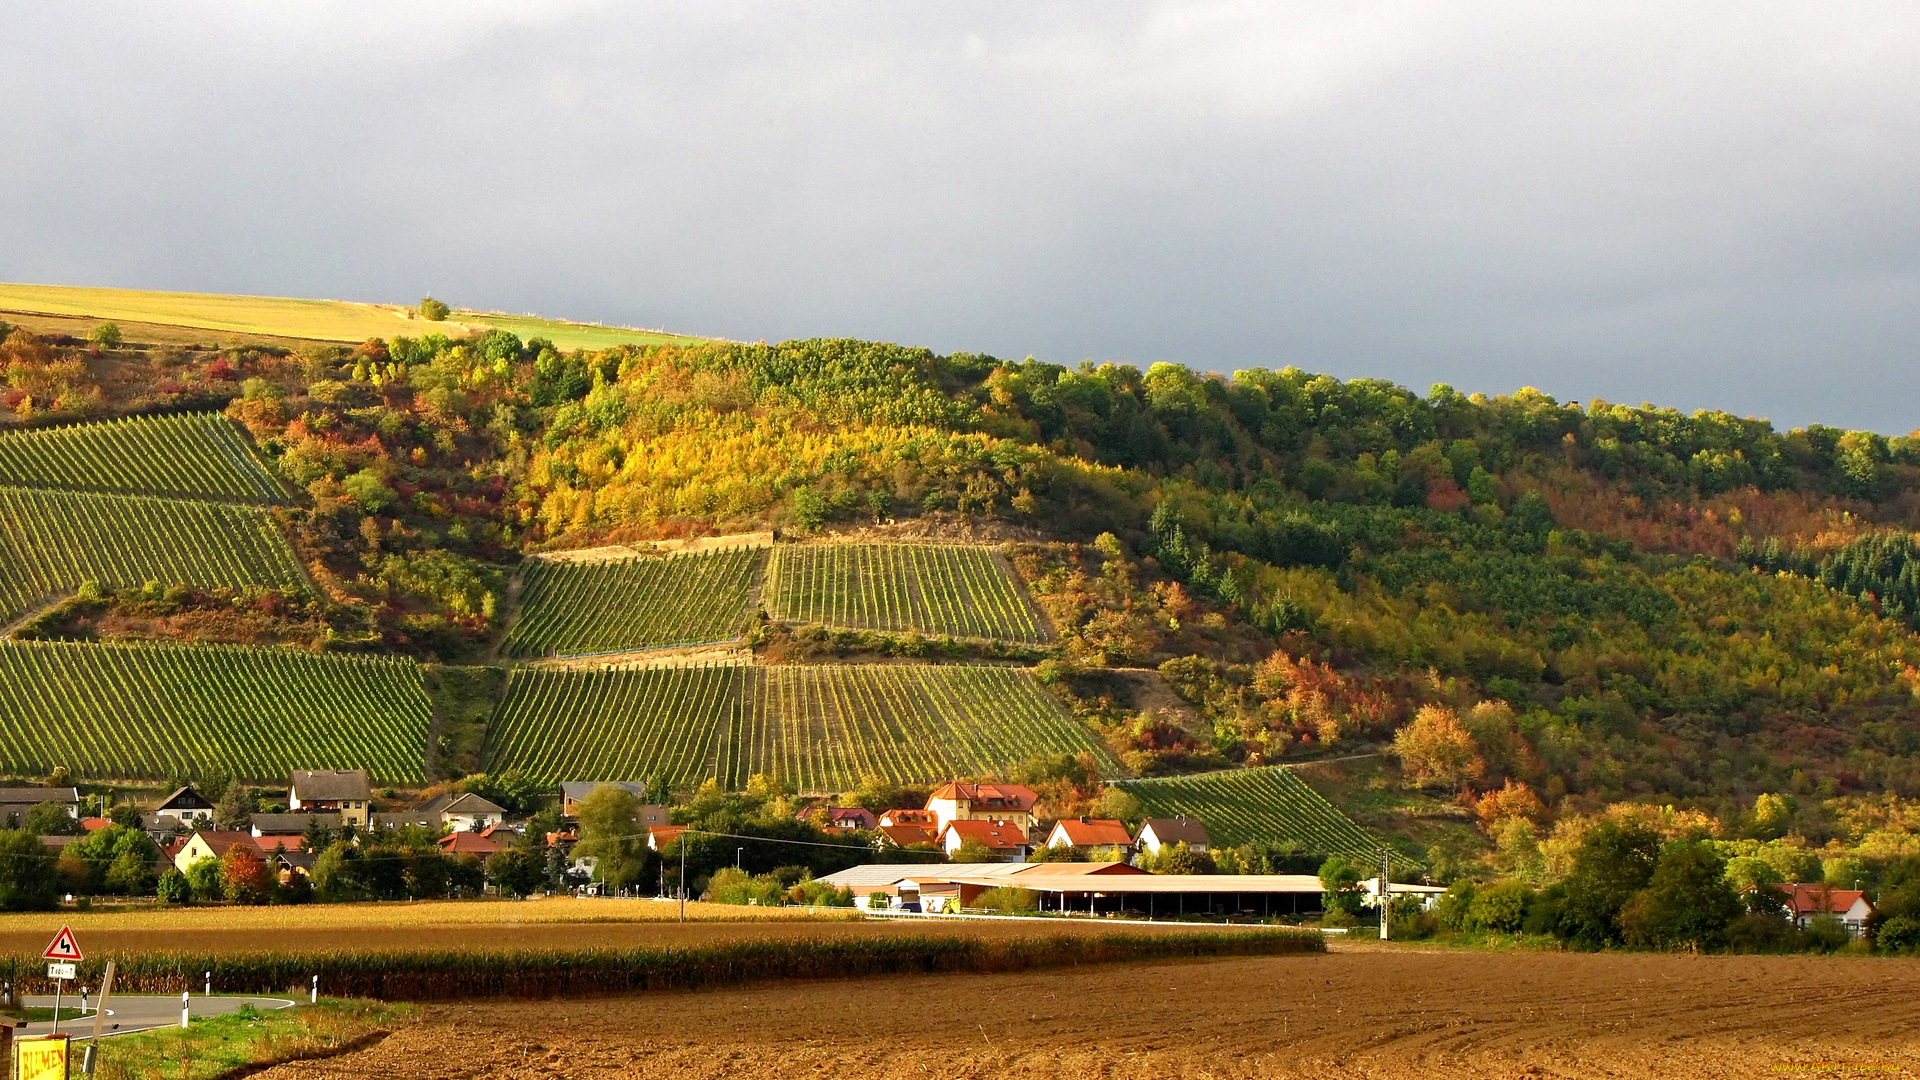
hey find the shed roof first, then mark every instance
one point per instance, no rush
(994, 834)
(1157, 883)
(470, 803)
(33, 796)
(868, 875)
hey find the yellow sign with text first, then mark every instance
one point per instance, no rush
(43, 1058)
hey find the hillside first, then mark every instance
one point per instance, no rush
(1537, 605)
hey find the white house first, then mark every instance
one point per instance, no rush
(1159, 832)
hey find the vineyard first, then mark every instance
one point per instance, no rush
(53, 541)
(820, 729)
(898, 588)
(191, 457)
(163, 711)
(1255, 806)
(577, 608)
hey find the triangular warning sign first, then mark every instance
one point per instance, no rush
(64, 947)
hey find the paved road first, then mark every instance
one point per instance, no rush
(128, 1013)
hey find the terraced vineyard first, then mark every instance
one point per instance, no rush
(53, 541)
(201, 456)
(579, 608)
(159, 711)
(819, 728)
(1252, 806)
(945, 589)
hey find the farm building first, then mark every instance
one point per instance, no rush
(1156, 833)
(185, 806)
(957, 801)
(343, 791)
(1097, 837)
(1004, 838)
(17, 803)
(901, 882)
(1155, 895)
(575, 792)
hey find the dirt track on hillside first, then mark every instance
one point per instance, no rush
(1358, 1012)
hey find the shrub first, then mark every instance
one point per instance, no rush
(1500, 908)
(1826, 933)
(25, 884)
(433, 310)
(1452, 910)
(731, 886)
(106, 334)
(1757, 932)
(1007, 900)
(1899, 936)
(1613, 863)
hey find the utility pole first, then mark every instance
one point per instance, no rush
(1386, 892)
(683, 877)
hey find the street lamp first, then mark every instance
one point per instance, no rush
(736, 857)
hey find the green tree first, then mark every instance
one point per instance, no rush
(1686, 903)
(106, 335)
(1613, 863)
(173, 888)
(610, 833)
(338, 874)
(235, 809)
(51, 819)
(1340, 879)
(433, 310)
(517, 873)
(27, 882)
(205, 877)
(1500, 908)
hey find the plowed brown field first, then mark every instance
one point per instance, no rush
(1360, 1012)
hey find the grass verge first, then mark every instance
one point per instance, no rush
(239, 1044)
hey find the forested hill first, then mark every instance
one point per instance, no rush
(1596, 600)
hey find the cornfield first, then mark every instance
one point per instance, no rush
(448, 975)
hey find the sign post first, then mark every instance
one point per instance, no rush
(62, 954)
(92, 1058)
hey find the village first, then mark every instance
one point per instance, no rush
(973, 849)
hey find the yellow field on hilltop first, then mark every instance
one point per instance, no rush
(317, 320)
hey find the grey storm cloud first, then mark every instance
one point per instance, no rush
(1705, 205)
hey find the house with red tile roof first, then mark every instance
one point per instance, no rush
(959, 801)
(1004, 839)
(1101, 838)
(908, 835)
(470, 843)
(843, 817)
(1807, 901)
(925, 819)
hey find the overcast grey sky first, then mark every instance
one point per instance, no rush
(1698, 204)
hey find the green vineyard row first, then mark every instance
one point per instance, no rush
(1256, 806)
(162, 711)
(53, 541)
(964, 591)
(579, 608)
(820, 729)
(201, 456)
